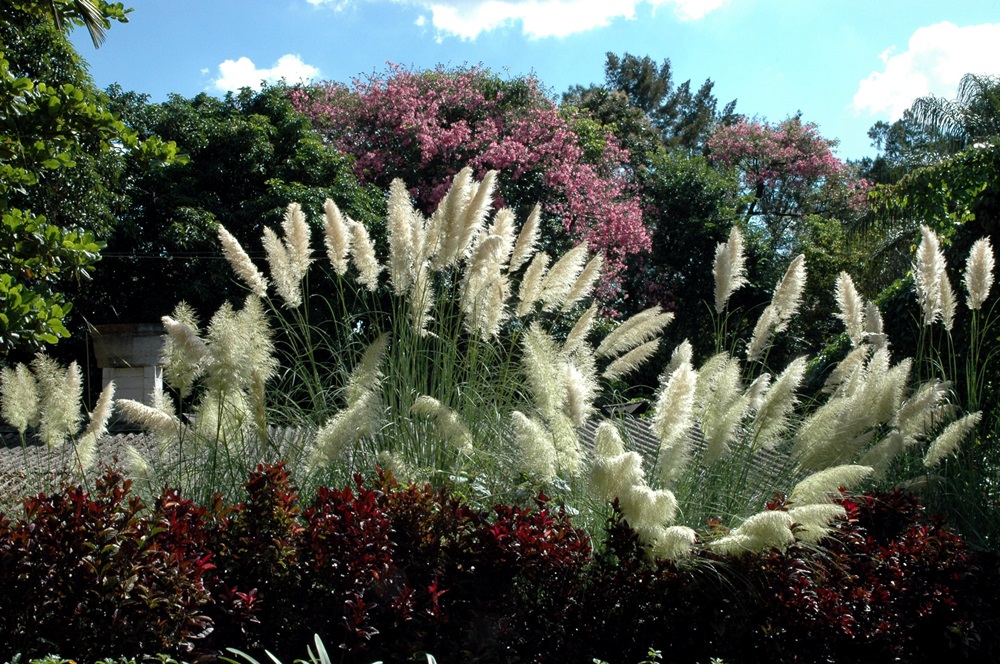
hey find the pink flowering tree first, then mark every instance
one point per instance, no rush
(788, 172)
(425, 126)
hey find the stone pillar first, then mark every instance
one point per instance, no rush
(129, 354)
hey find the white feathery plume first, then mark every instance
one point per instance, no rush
(397, 466)
(364, 257)
(448, 217)
(138, 467)
(729, 268)
(611, 477)
(569, 456)
(644, 507)
(562, 276)
(882, 401)
(580, 392)
(19, 400)
(720, 403)
(584, 284)
(343, 430)
(635, 331)
(760, 341)
(337, 237)
(184, 354)
(874, 332)
(297, 238)
(607, 440)
(400, 226)
(524, 247)
(631, 361)
(60, 392)
(757, 391)
(420, 300)
(163, 426)
(447, 422)
(98, 425)
(673, 543)
(846, 371)
(475, 213)
(811, 523)
(851, 308)
(241, 263)
(503, 227)
(777, 406)
(979, 273)
(283, 273)
(760, 532)
(366, 377)
(578, 334)
(241, 348)
(881, 455)
(532, 283)
(788, 292)
(824, 486)
(86, 445)
(539, 453)
(543, 370)
(917, 415)
(683, 352)
(948, 300)
(948, 440)
(673, 418)
(927, 275)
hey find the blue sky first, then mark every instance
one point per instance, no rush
(843, 63)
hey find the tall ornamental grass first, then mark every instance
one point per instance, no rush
(465, 357)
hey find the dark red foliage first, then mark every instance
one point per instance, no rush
(91, 573)
(382, 571)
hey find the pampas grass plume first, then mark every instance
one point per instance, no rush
(729, 268)
(539, 454)
(788, 293)
(673, 543)
(19, 400)
(286, 279)
(337, 237)
(448, 423)
(584, 283)
(823, 486)
(632, 360)
(851, 308)
(364, 257)
(948, 300)
(634, 332)
(402, 253)
(562, 276)
(927, 275)
(578, 334)
(297, 238)
(952, 436)
(979, 273)
(532, 283)
(524, 247)
(241, 263)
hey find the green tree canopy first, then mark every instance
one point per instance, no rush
(55, 137)
(247, 157)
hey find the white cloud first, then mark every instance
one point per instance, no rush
(934, 62)
(468, 19)
(243, 73)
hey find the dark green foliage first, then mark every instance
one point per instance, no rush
(246, 158)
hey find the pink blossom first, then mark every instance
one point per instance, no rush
(425, 126)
